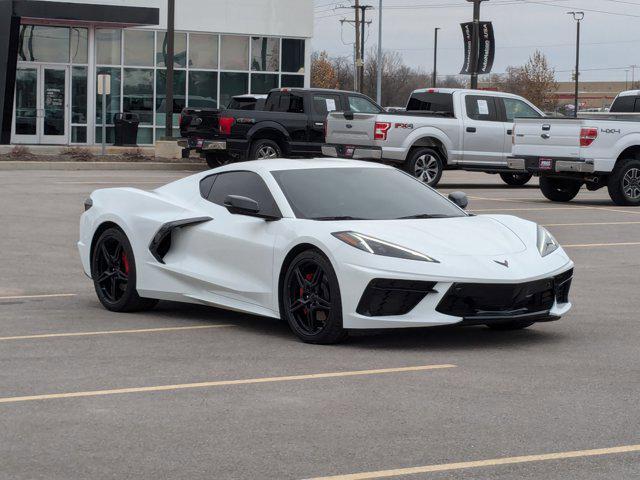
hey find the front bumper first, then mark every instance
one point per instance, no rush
(352, 152)
(542, 165)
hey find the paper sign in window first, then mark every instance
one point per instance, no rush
(331, 105)
(483, 107)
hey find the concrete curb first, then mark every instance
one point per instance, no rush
(35, 165)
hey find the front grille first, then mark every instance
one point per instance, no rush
(392, 297)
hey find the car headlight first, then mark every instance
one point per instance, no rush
(546, 243)
(380, 247)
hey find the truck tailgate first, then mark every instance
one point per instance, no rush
(552, 137)
(358, 131)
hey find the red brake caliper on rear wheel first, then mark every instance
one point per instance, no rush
(125, 262)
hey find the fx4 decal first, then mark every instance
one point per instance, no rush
(404, 125)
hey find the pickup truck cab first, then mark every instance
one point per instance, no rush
(290, 124)
(441, 128)
(626, 102)
(569, 153)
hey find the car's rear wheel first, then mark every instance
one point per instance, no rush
(559, 189)
(215, 160)
(113, 269)
(426, 165)
(516, 179)
(311, 302)
(508, 326)
(624, 183)
(265, 149)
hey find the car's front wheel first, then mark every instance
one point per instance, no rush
(516, 179)
(559, 189)
(426, 165)
(113, 270)
(311, 302)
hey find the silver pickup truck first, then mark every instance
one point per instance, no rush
(442, 128)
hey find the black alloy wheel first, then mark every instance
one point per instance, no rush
(114, 273)
(311, 299)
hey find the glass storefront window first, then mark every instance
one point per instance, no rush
(79, 45)
(110, 137)
(232, 84)
(113, 100)
(108, 46)
(26, 102)
(292, 81)
(203, 89)
(263, 82)
(138, 48)
(145, 136)
(137, 94)
(265, 54)
(179, 49)
(203, 51)
(292, 55)
(179, 93)
(79, 95)
(78, 134)
(234, 53)
(38, 43)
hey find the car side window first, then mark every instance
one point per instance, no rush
(481, 108)
(286, 102)
(244, 184)
(324, 104)
(205, 185)
(362, 105)
(515, 108)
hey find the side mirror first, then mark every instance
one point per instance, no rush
(239, 205)
(460, 199)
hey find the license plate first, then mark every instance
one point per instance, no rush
(199, 143)
(545, 164)
(348, 152)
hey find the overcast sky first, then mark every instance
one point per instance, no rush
(610, 33)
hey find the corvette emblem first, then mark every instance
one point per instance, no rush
(504, 264)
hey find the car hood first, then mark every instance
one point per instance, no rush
(460, 236)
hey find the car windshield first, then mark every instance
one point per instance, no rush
(361, 194)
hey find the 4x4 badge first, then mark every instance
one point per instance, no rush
(504, 264)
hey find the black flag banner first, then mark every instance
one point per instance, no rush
(487, 49)
(467, 33)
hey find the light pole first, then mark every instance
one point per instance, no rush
(475, 42)
(435, 58)
(578, 17)
(379, 73)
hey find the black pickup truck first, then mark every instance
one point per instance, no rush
(291, 124)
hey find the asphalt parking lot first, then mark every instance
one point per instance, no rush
(193, 392)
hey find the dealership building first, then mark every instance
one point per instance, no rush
(52, 52)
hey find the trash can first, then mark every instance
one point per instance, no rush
(126, 129)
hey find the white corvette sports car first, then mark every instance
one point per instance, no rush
(327, 245)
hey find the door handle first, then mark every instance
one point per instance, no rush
(509, 132)
(319, 124)
(471, 129)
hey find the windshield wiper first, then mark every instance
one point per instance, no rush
(344, 217)
(424, 215)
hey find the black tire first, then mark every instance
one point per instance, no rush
(113, 269)
(510, 326)
(265, 149)
(624, 183)
(310, 299)
(559, 189)
(215, 160)
(426, 165)
(516, 179)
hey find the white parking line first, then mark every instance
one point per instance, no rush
(25, 297)
(594, 224)
(595, 245)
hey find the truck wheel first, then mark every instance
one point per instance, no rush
(516, 179)
(264, 149)
(624, 183)
(559, 189)
(215, 160)
(426, 165)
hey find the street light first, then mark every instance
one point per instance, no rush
(379, 74)
(578, 17)
(435, 58)
(475, 42)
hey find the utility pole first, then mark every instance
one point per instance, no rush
(475, 42)
(633, 75)
(361, 18)
(626, 79)
(171, 15)
(356, 78)
(578, 17)
(435, 59)
(379, 72)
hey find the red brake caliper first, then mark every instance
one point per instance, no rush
(125, 262)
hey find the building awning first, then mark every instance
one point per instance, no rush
(85, 13)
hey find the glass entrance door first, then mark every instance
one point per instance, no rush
(41, 105)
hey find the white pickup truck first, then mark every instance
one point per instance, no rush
(567, 154)
(442, 128)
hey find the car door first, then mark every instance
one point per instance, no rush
(483, 131)
(322, 104)
(233, 254)
(513, 108)
(290, 108)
